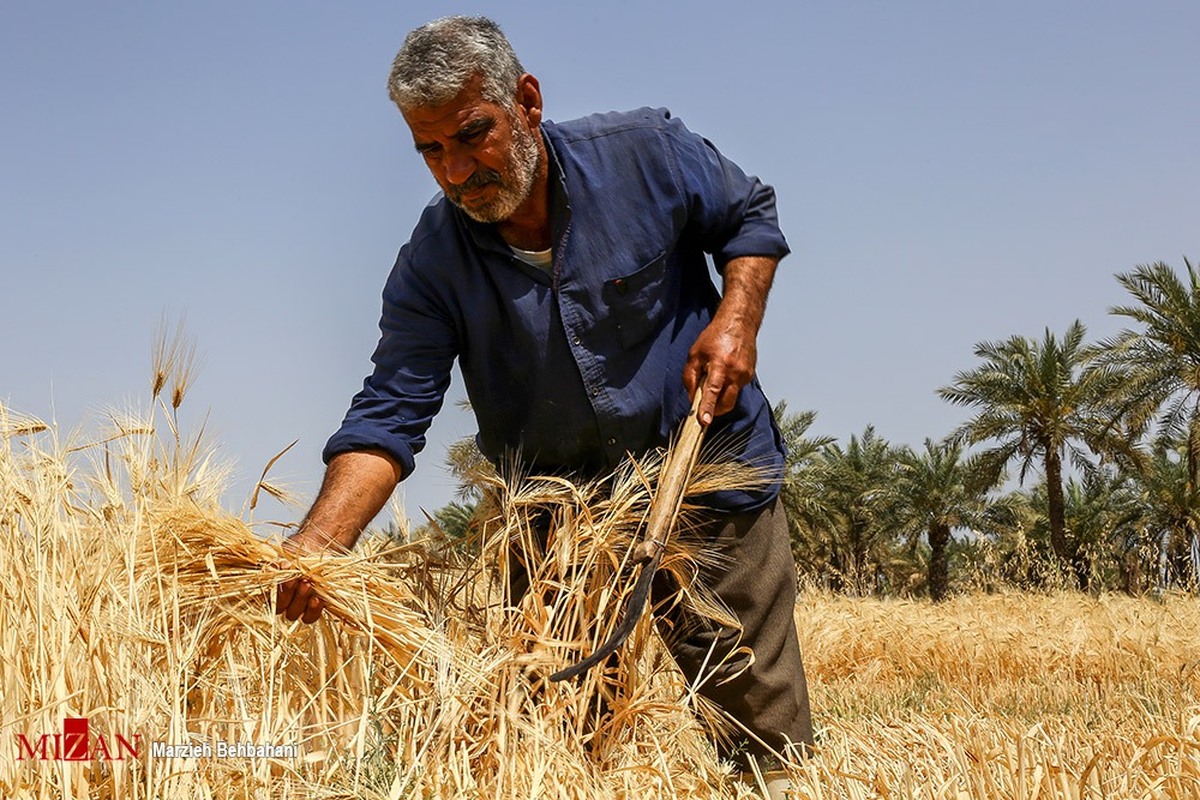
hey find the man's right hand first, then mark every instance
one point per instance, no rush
(356, 486)
(297, 599)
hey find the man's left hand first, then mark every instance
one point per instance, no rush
(725, 353)
(723, 357)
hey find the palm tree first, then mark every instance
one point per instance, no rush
(1160, 361)
(937, 491)
(470, 469)
(801, 448)
(804, 500)
(1037, 401)
(1012, 548)
(841, 498)
(1105, 518)
(1171, 518)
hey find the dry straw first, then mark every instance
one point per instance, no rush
(134, 600)
(130, 597)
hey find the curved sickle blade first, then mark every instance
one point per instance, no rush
(664, 509)
(633, 612)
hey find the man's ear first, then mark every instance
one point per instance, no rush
(529, 99)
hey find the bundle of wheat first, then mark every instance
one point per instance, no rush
(134, 601)
(472, 661)
(216, 563)
(549, 584)
(110, 613)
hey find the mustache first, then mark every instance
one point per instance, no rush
(481, 178)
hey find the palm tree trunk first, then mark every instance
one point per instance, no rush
(1192, 573)
(859, 577)
(939, 572)
(1193, 451)
(1193, 465)
(1056, 513)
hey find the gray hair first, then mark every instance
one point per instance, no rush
(439, 58)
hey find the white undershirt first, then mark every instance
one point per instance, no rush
(542, 259)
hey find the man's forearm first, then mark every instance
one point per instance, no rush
(355, 488)
(747, 282)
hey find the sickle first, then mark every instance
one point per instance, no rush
(664, 509)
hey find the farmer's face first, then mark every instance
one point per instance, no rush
(483, 155)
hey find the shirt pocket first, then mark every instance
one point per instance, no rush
(637, 301)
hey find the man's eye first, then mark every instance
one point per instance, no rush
(473, 136)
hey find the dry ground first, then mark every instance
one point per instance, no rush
(1004, 696)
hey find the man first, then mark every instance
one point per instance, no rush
(564, 267)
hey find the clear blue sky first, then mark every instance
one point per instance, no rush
(946, 172)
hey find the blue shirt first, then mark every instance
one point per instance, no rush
(573, 369)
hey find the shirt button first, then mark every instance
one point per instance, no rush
(595, 391)
(575, 340)
(612, 440)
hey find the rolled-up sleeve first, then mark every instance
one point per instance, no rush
(731, 214)
(400, 398)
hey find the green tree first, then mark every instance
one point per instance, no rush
(1038, 402)
(1104, 516)
(840, 501)
(470, 470)
(804, 500)
(1013, 547)
(1160, 553)
(938, 490)
(1159, 364)
(801, 448)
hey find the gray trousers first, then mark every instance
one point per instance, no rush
(757, 581)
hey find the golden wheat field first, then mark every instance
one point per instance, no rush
(139, 657)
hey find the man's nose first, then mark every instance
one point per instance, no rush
(459, 167)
